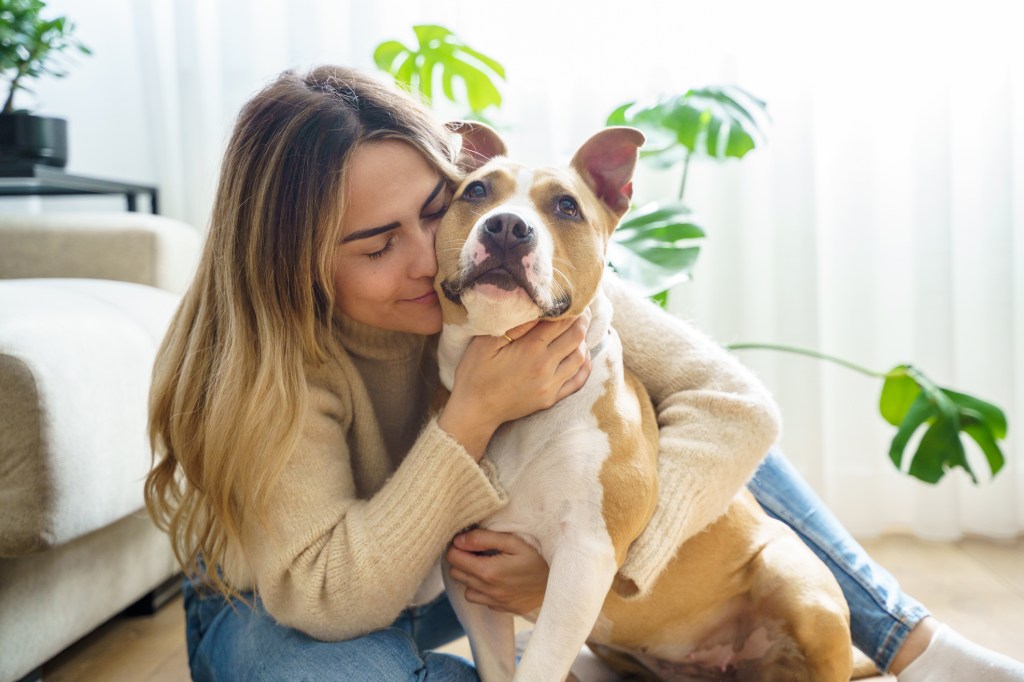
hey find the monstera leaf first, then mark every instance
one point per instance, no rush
(441, 54)
(715, 121)
(656, 246)
(911, 401)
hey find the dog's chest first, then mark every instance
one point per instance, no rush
(550, 463)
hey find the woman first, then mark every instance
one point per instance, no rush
(289, 413)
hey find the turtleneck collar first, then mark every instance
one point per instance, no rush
(372, 343)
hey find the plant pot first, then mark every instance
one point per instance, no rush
(28, 139)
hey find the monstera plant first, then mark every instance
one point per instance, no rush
(657, 244)
(467, 76)
(724, 122)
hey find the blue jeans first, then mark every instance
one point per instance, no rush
(232, 640)
(239, 640)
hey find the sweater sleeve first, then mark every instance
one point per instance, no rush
(716, 421)
(336, 566)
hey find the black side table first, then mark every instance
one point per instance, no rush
(39, 180)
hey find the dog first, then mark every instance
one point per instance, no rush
(746, 599)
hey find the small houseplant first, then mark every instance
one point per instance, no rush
(30, 47)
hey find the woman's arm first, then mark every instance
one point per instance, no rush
(336, 566)
(337, 557)
(716, 422)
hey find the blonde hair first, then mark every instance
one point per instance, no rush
(229, 394)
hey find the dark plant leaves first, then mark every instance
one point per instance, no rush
(910, 401)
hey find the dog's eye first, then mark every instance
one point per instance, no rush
(475, 190)
(567, 206)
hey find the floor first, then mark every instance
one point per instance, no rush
(974, 585)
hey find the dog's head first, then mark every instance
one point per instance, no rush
(518, 243)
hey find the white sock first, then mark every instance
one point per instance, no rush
(953, 658)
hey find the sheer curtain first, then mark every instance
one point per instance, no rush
(883, 222)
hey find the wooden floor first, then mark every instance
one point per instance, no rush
(976, 586)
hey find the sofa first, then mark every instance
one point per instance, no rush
(84, 303)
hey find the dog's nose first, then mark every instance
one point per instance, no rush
(508, 230)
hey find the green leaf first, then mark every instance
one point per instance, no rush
(986, 440)
(656, 246)
(441, 55)
(425, 78)
(428, 33)
(404, 73)
(909, 399)
(480, 91)
(661, 298)
(618, 117)
(909, 422)
(989, 414)
(716, 121)
(386, 54)
(898, 393)
(648, 276)
(490, 63)
(940, 448)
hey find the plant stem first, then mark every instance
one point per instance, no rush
(809, 353)
(686, 172)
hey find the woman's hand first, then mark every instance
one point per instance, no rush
(497, 381)
(511, 577)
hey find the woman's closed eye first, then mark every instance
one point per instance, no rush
(388, 245)
(438, 214)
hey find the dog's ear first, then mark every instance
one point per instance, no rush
(606, 161)
(480, 143)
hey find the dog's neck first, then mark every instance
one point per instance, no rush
(455, 338)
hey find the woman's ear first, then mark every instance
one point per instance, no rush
(480, 144)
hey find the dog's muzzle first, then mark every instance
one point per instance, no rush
(507, 239)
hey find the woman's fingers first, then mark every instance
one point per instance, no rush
(501, 570)
(579, 378)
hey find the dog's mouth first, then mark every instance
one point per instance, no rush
(504, 276)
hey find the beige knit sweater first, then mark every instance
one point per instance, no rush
(375, 489)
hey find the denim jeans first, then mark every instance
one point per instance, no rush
(881, 615)
(238, 641)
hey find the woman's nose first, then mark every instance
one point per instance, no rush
(424, 263)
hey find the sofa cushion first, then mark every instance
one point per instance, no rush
(129, 247)
(76, 357)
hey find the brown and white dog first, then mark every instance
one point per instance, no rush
(744, 600)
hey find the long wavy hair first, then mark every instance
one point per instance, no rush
(229, 395)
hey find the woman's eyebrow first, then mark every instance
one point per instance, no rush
(371, 232)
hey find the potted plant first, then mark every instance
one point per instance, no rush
(29, 48)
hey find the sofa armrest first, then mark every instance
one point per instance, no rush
(129, 247)
(76, 356)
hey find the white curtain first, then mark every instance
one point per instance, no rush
(883, 222)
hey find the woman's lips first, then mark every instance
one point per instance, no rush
(428, 298)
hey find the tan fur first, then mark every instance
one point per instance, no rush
(629, 477)
(743, 563)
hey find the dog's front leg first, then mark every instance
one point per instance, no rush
(579, 578)
(491, 633)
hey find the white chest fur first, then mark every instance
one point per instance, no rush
(550, 465)
(550, 462)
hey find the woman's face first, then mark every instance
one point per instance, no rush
(385, 264)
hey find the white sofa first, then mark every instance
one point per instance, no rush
(84, 303)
